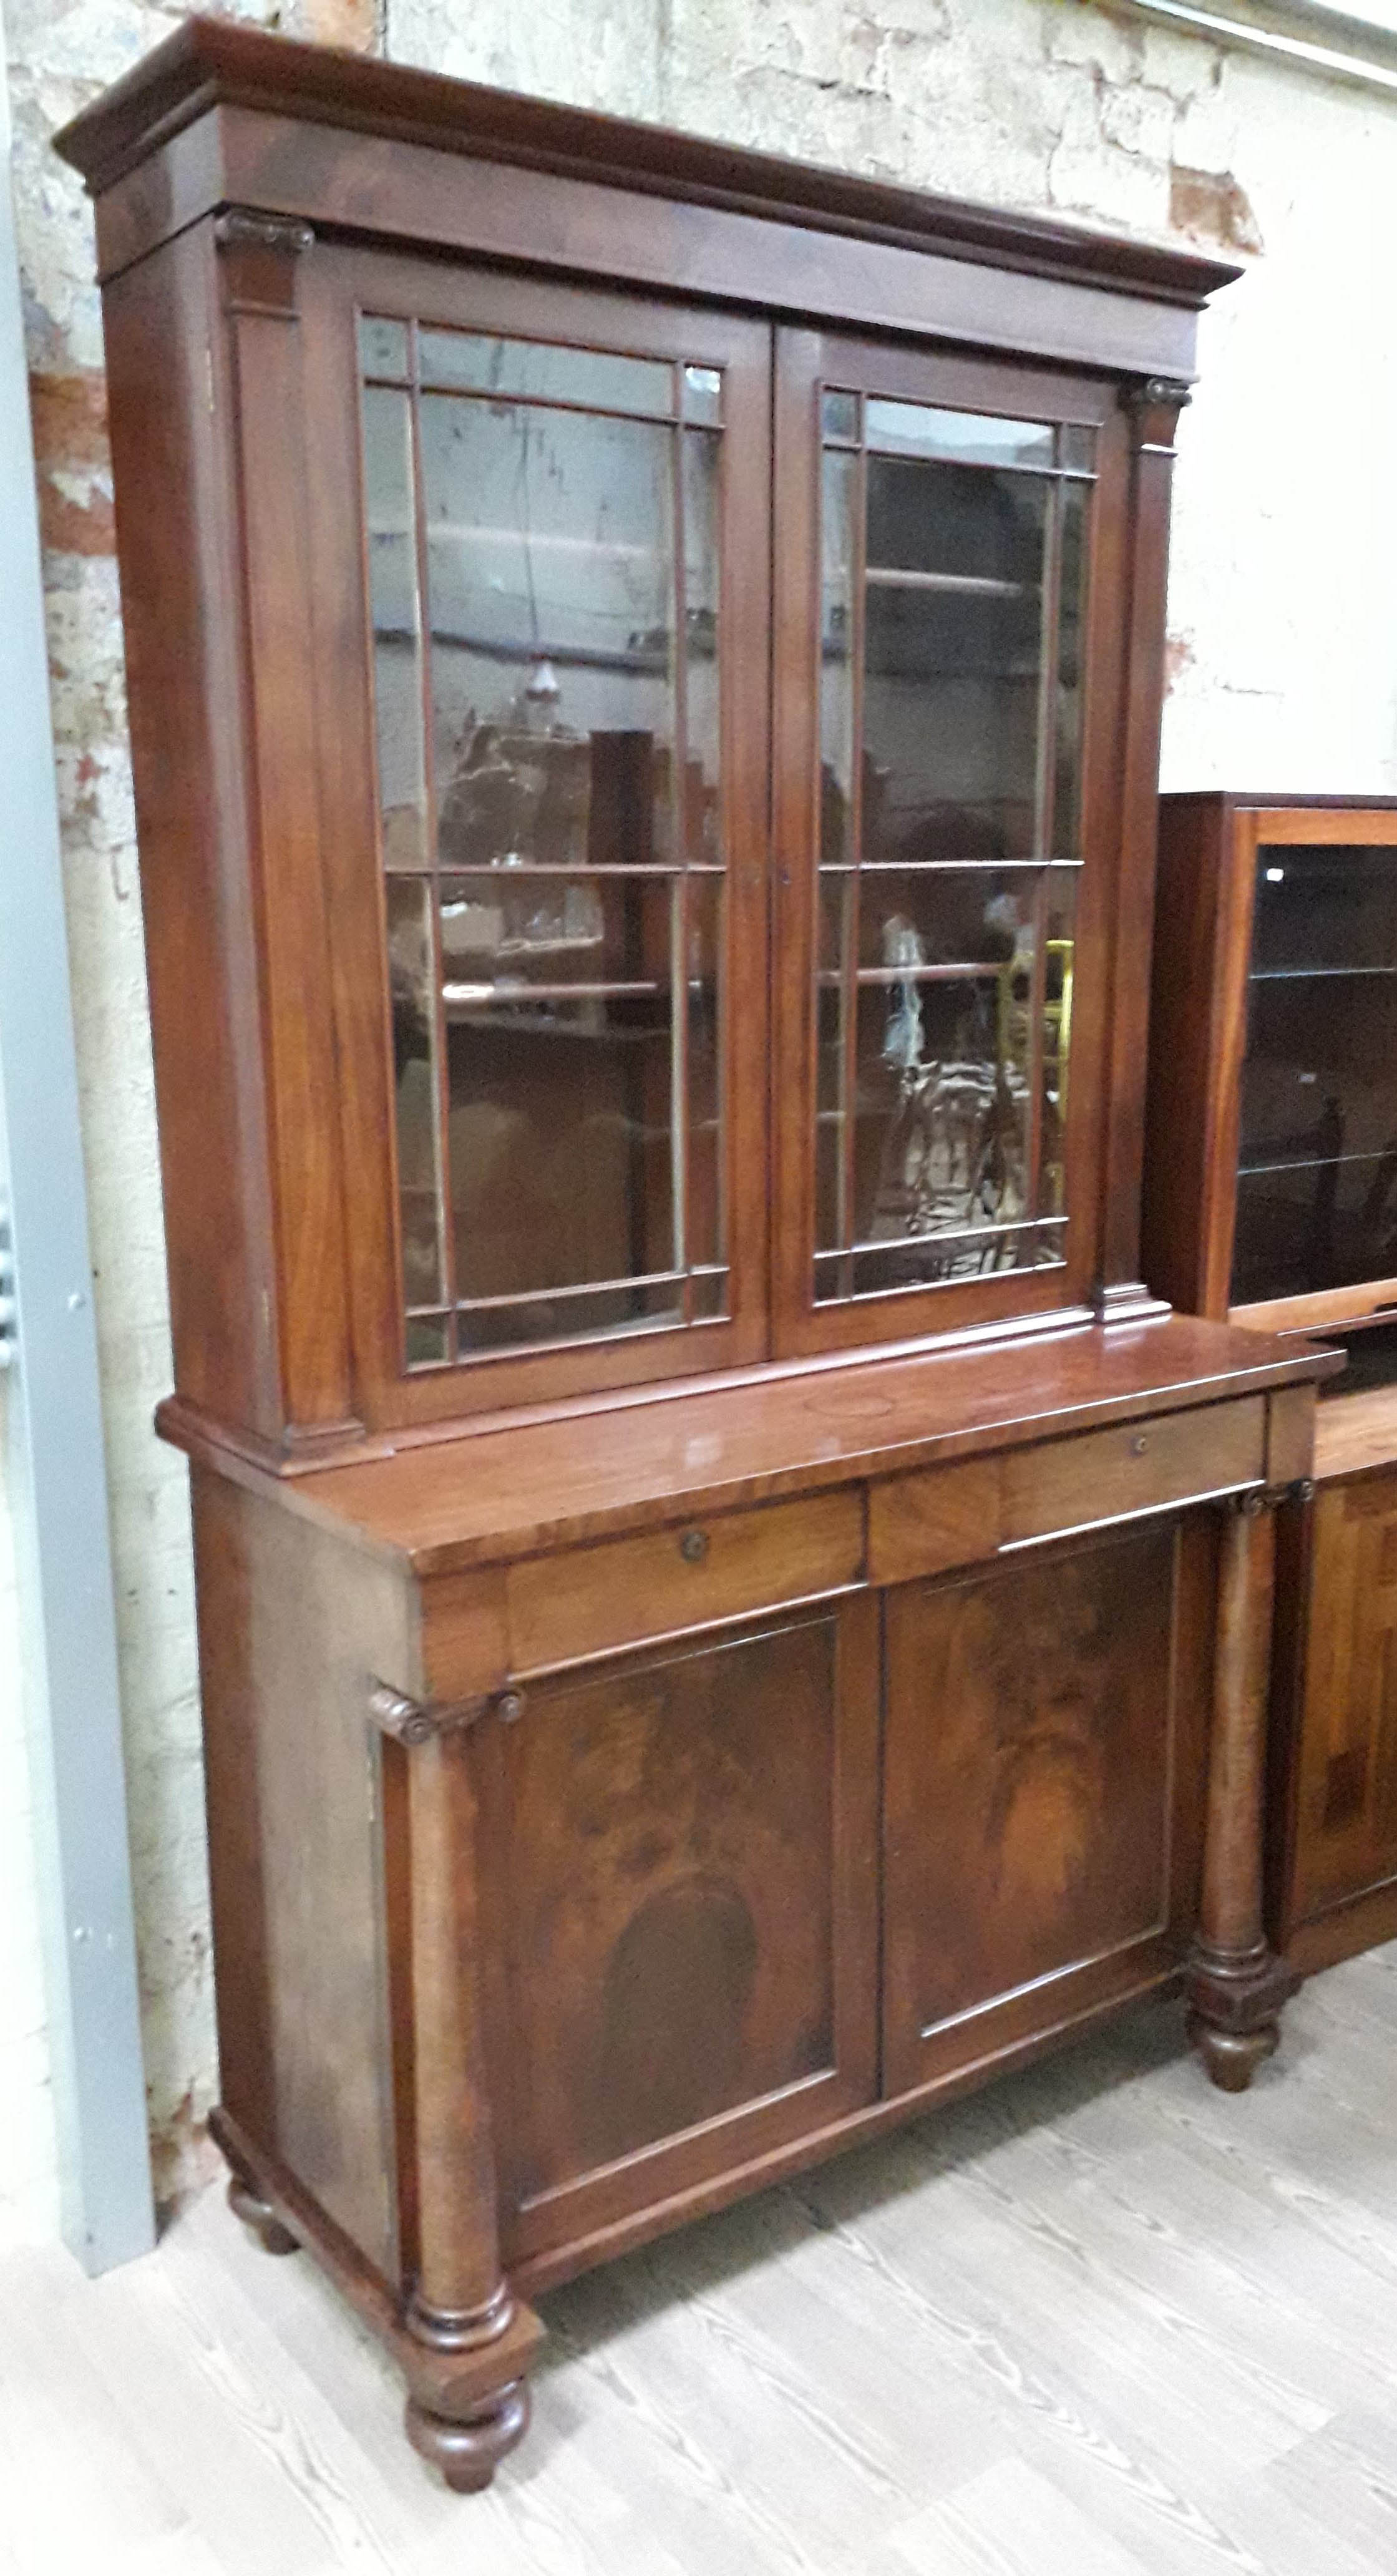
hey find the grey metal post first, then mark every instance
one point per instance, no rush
(55, 1463)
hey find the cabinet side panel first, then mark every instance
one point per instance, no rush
(291, 1628)
(1346, 1801)
(178, 575)
(1182, 1072)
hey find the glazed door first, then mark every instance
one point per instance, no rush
(949, 546)
(679, 1851)
(1045, 1753)
(541, 585)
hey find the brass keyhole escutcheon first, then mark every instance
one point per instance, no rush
(1139, 1444)
(693, 1546)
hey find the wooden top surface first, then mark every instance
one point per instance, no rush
(209, 62)
(482, 1495)
(1354, 1432)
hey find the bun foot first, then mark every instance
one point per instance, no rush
(1234, 2014)
(467, 2450)
(260, 2219)
(1231, 2057)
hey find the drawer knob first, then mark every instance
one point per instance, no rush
(1139, 1444)
(693, 1546)
(510, 1707)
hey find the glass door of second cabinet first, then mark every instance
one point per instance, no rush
(562, 502)
(937, 525)
(1316, 1203)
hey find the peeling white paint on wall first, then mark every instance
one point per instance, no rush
(1283, 655)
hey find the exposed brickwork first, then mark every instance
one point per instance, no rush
(1209, 206)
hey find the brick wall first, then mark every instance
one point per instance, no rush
(1282, 662)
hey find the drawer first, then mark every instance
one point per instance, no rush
(934, 1520)
(1133, 1467)
(590, 1598)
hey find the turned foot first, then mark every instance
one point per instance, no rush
(1234, 2011)
(1232, 2057)
(260, 2218)
(469, 2451)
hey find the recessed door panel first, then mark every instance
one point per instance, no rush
(678, 1847)
(1035, 1853)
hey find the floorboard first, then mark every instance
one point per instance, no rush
(1097, 2321)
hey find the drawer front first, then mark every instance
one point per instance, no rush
(1133, 1467)
(591, 1598)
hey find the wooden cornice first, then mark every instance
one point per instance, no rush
(210, 63)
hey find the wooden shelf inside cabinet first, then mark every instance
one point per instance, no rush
(645, 676)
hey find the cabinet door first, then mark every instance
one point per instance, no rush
(1046, 1725)
(949, 617)
(541, 575)
(680, 1887)
(1346, 1811)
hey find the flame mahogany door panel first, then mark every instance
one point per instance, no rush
(679, 1850)
(1043, 1754)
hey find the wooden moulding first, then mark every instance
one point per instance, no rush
(211, 63)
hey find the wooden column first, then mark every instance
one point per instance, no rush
(469, 2404)
(259, 260)
(1151, 406)
(1236, 1984)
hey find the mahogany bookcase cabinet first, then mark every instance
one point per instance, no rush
(1272, 1200)
(726, 1612)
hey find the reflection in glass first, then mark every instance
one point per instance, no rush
(539, 371)
(1317, 1183)
(840, 417)
(950, 704)
(557, 962)
(914, 429)
(416, 1082)
(396, 617)
(383, 348)
(703, 395)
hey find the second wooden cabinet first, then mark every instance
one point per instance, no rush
(1269, 1200)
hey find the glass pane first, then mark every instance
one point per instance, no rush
(411, 979)
(952, 661)
(1076, 448)
(1303, 1227)
(702, 495)
(1072, 505)
(631, 1307)
(1320, 1076)
(703, 395)
(839, 415)
(1326, 907)
(383, 348)
(1317, 1187)
(557, 960)
(912, 429)
(396, 620)
(950, 797)
(706, 1239)
(538, 371)
(839, 553)
(551, 573)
